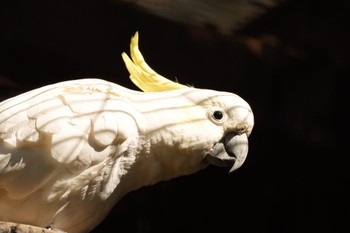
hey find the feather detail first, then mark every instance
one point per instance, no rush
(143, 76)
(68, 143)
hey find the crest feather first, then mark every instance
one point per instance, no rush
(143, 76)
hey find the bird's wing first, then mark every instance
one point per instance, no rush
(60, 132)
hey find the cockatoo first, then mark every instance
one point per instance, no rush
(69, 151)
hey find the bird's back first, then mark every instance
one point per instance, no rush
(57, 144)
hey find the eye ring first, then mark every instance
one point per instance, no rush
(217, 115)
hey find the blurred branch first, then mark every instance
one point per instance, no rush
(10, 227)
(224, 15)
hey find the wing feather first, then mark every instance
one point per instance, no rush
(60, 134)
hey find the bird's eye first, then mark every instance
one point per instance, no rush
(218, 115)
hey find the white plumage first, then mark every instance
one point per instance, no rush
(69, 151)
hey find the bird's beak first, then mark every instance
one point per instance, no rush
(231, 151)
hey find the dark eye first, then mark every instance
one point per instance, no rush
(218, 115)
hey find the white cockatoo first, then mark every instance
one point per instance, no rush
(69, 151)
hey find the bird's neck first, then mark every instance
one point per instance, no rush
(158, 161)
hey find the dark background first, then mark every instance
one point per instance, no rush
(291, 64)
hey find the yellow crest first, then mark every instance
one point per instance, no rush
(144, 76)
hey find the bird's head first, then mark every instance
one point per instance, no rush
(223, 120)
(232, 121)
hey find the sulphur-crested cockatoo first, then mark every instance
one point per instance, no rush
(69, 151)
